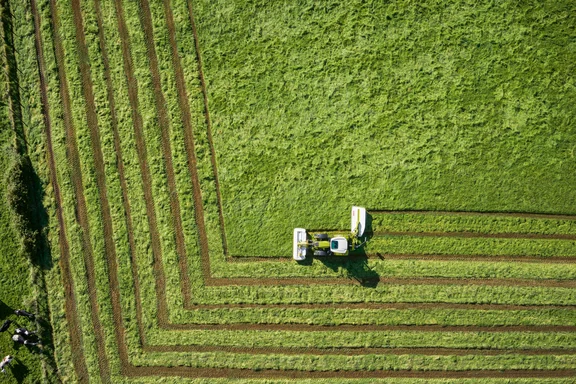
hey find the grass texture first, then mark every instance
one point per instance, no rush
(446, 106)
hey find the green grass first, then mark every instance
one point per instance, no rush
(390, 106)
(440, 105)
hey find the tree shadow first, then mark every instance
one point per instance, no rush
(5, 311)
(19, 370)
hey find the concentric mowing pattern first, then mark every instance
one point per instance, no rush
(151, 289)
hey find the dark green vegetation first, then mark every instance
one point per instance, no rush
(178, 139)
(23, 251)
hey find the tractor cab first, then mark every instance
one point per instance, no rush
(324, 245)
(339, 245)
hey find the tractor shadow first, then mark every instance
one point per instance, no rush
(354, 266)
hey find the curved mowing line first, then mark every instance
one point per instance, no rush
(113, 271)
(77, 182)
(78, 360)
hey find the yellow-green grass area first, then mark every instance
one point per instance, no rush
(150, 275)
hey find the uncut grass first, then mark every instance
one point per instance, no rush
(450, 106)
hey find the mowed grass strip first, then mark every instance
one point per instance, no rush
(365, 363)
(394, 268)
(475, 222)
(55, 81)
(373, 339)
(386, 316)
(388, 293)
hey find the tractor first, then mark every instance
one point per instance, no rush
(324, 245)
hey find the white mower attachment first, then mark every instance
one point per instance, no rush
(358, 221)
(300, 244)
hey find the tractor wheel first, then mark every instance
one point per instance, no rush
(320, 253)
(321, 236)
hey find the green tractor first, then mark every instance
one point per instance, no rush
(324, 245)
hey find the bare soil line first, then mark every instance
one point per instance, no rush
(383, 306)
(466, 234)
(81, 211)
(374, 328)
(389, 256)
(75, 334)
(470, 213)
(436, 351)
(124, 187)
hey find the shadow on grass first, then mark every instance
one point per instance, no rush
(19, 370)
(5, 311)
(355, 265)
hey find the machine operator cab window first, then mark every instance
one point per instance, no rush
(339, 245)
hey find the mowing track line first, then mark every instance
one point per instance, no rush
(244, 373)
(82, 214)
(164, 122)
(78, 360)
(113, 267)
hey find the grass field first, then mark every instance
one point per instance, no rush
(178, 143)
